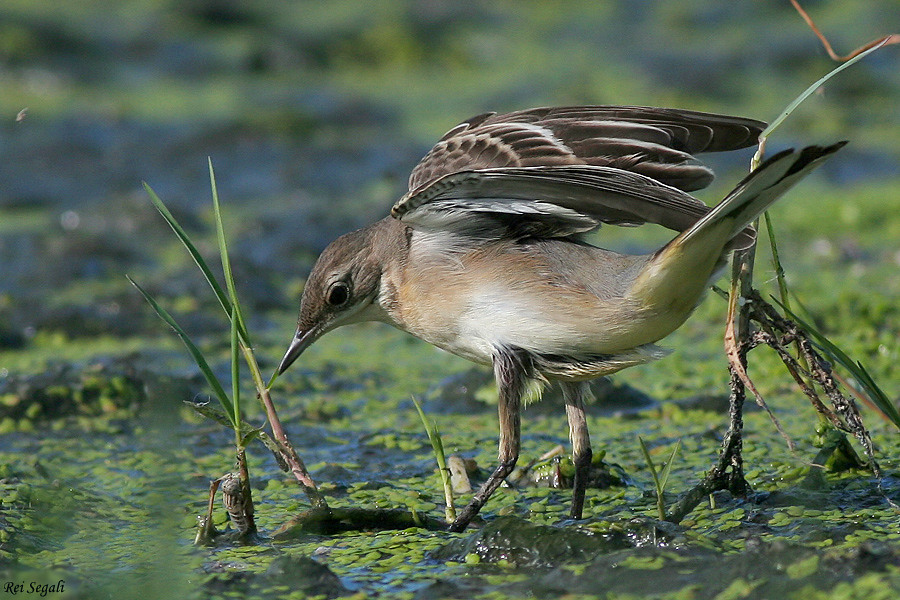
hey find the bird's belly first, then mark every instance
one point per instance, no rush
(551, 323)
(543, 300)
(546, 323)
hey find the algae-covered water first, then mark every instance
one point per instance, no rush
(313, 115)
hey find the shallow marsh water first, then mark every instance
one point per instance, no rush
(313, 116)
(114, 509)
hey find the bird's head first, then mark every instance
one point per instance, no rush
(342, 288)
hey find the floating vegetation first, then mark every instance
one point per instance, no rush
(101, 481)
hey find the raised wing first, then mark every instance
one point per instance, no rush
(556, 201)
(655, 142)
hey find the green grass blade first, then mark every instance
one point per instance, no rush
(757, 158)
(226, 262)
(871, 389)
(776, 260)
(812, 89)
(248, 431)
(192, 250)
(437, 445)
(211, 412)
(650, 463)
(876, 394)
(434, 435)
(664, 475)
(235, 366)
(660, 501)
(211, 378)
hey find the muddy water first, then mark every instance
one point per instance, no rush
(313, 116)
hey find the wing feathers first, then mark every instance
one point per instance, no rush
(654, 141)
(557, 172)
(547, 201)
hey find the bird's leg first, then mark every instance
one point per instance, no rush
(512, 370)
(573, 393)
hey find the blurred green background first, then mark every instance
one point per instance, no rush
(313, 113)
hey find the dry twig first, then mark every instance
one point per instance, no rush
(885, 40)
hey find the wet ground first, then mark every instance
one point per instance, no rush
(313, 116)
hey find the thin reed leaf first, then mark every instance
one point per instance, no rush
(664, 475)
(649, 461)
(235, 312)
(660, 504)
(660, 478)
(876, 394)
(278, 444)
(815, 86)
(757, 158)
(248, 431)
(776, 261)
(191, 248)
(783, 290)
(235, 367)
(215, 414)
(208, 374)
(437, 446)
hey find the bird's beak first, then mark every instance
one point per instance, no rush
(302, 340)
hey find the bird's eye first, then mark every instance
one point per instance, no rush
(338, 294)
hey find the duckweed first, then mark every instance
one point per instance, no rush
(102, 472)
(803, 568)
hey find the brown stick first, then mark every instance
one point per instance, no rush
(206, 529)
(290, 456)
(886, 40)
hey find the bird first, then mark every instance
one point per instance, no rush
(486, 256)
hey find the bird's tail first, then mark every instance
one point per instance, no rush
(673, 280)
(752, 196)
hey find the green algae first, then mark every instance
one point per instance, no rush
(394, 469)
(100, 389)
(109, 503)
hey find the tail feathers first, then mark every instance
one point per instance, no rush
(766, 184)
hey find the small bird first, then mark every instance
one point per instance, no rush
(485, 255)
